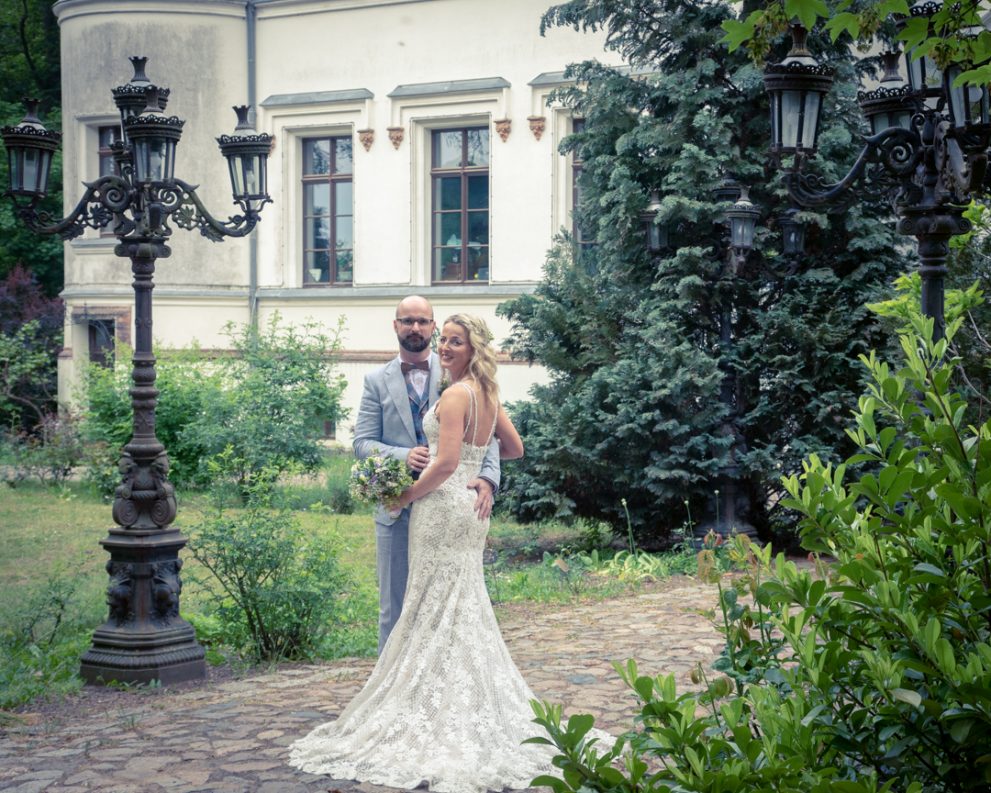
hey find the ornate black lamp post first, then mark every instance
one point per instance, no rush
(927, 153)
(143, 638)
(741, 223)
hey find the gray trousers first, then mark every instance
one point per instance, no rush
(392, 551)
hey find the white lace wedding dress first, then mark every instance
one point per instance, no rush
(445, 703)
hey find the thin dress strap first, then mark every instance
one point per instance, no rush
(472, 410)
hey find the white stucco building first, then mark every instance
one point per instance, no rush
(414, 152)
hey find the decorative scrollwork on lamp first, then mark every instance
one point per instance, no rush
(926, 157)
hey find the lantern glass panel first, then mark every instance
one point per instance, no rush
(44, 167)
(153, 159)
(237, 185)
(742, 232)
(810, 125)
(15, 161)
(793, 238)
(655, 241)
(32, 165)
(968, 103)
(249, 163)
(923, 73)
(791, 118)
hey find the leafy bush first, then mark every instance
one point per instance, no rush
(43, 636)
(187, 384)
(279, 590)
(870, 673)
(268, 401)
(48, 454)
(279, 389)
(30, 340)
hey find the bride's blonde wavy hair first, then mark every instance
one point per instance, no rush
(482, 365)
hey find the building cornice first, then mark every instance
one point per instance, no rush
(346, 294)
(318, 98)
(281, 8)
(69, 9)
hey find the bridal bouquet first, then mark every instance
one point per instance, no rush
(378, 479)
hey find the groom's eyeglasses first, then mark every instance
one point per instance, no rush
(409, 322)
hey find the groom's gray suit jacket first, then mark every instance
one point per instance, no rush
(385, 421)
(385, 426)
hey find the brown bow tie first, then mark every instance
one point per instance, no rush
(406, 367)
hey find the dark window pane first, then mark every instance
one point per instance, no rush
(345, 236)
(478, 228)
(478, 264)
(478, 147)
(345, 270)
(316, 199)
(447, 264)
(342, 155)
(342, 198)
(108, 135)
(107, 166)
(316, 156)
(447, 149)
(317, 267)
(317, 233)
(101, 341)
(447, 228)
(447, 192)
(478, 191)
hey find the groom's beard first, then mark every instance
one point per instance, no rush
(414, 342)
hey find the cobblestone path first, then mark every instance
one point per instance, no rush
(233, 737)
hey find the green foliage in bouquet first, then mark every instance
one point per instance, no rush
(379, 479)
(870, 673)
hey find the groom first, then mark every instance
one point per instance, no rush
(395, 399)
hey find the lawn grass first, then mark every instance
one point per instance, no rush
(52, 568)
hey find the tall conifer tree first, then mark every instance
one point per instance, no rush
(637, 408)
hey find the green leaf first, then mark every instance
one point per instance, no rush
(580, 724)
(807, 11)
(959, 730)
(843, 23)
(907, 696)
(737, 33)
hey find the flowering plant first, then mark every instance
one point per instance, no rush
(378, 479)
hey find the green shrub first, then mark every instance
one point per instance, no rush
(44, 633)
(187, 384)
(48, 453)
(870, 673)
(268, 400)
(278, 589)
(279, 389)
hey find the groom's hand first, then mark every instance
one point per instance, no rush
(418, 458)
(483, 504)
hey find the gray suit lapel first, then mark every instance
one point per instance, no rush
(396, 384)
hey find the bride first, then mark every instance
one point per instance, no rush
(445, 704)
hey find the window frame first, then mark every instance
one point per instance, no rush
(332, 178)
(577, 167)
(464, 172)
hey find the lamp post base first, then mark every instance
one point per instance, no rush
(144, 638)
(171, 656)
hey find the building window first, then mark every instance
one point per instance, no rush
(101, 342)
(106, 136)
(582, 238)
(328, 211)
(459, 176)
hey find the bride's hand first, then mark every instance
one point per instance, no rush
(400, 503)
